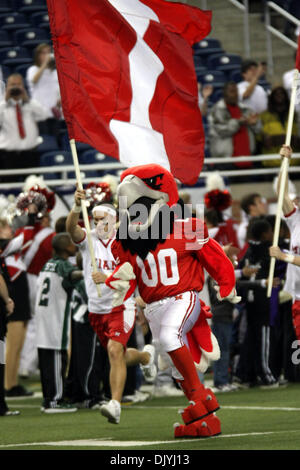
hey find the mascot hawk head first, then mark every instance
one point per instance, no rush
(145, 190)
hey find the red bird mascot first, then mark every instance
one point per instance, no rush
(164, 254)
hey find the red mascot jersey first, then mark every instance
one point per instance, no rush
(176, 265)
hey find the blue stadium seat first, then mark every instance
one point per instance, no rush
(236, 76)
(224, 62)
(85, 174)
(30, 36)
(215, 78)
(207, 47)
(216, 95)
(198, 61)
(200, 70)
(40, 20)
(93, 156)
(29, 6)
(13, 21)
(13, 56)
(5, 40)
(22, 69)
(49, 144)
(5, 6)
(56, 158)
(6, 71)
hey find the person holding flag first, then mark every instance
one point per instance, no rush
(292, 216)
(113, 325)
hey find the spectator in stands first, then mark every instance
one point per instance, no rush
(19, 134)
(274, 126)
(252, 205)
(43, 86)
(232, 127)
(251, 94)
(203, 96)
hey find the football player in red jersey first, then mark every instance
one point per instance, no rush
(165, 256)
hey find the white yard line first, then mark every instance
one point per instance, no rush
(225, 407)
(108, 442)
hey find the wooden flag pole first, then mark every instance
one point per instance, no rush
(84, 212)
(283, 171)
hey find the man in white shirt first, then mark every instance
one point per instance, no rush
(19, 134)
(251, 94)
(42, 81)
(113, 325)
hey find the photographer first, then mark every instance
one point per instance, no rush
(43, 86)
(19, 134)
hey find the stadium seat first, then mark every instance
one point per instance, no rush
(56, 158)
(29, 6)
(13, 56)
(49, 144)
(224, 62)
(13, 21)
(5, 40)
(30, 37)
(6, 71)
(216, 95)
(85, 174)
(236, 76)
(22, 69)
(215, 78)
(5, 6)
(207, 47)
(200, 70)
(40, 20)
(93, 156)
(198, 61)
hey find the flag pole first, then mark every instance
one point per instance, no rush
(284, 171)
(84, 212)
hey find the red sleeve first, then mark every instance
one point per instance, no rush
(218, 266)
(118, 252)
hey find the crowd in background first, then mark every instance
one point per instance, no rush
(256, 336)
(249, 116)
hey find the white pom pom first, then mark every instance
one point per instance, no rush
(214, 181)
(34, 180)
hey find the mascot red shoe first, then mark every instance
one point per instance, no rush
(163, 253)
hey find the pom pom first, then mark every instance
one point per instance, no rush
(97, 193)
(218, 200)
(31, 197)
(214, 181)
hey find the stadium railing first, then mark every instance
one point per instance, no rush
(269, 6)
(63, 170)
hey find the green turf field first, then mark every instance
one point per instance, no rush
(252, 419)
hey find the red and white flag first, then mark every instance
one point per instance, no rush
(127, 79)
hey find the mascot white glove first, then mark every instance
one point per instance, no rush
(123, 281)
(232, 297)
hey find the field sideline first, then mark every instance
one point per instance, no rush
(252, 419)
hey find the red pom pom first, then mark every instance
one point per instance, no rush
(218, 200)
(97, 193)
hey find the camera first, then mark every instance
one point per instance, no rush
(51, 63)
(15, 92)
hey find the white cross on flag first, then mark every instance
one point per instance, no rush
(127, 79)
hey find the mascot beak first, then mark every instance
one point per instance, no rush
(129, 191)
